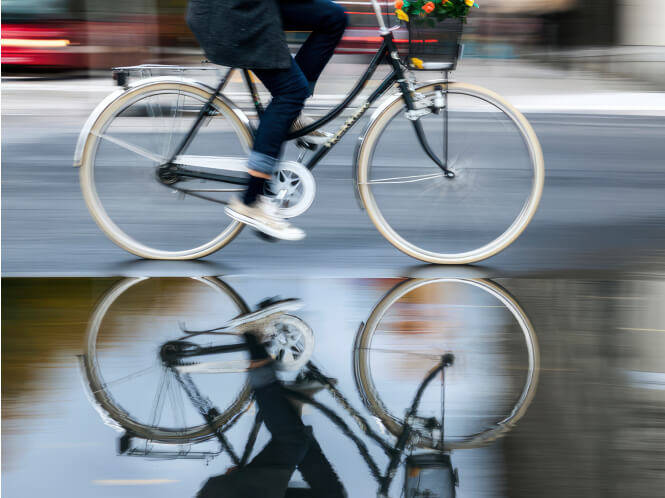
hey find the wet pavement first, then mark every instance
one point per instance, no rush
(556, 387)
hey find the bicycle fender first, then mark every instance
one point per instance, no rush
(87, 126)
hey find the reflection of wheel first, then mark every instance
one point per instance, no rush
(128, 381)
(125, 179)
(498, 175)
(291, 342)
(294, 186)
(496, 359)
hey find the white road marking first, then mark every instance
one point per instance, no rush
(132, 482)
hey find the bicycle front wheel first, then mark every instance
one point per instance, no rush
(491, 382)
(498, 166)
(142, 207)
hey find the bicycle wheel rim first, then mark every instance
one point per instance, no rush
(154, 221)
(112, 411)
(385, 221)
(374, 403)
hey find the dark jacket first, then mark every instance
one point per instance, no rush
(240, 33)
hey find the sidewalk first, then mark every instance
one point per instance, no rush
(646, 63)
(532, 87)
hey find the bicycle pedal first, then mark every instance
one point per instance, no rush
(267, 302)
(265, 236)
(304, 144)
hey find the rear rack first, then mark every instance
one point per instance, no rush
(123, 74)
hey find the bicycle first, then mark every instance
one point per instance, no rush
(424, 166)
(109, 365)
(422, 427)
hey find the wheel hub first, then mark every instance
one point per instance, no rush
(167, 174)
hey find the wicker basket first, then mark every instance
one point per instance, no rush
(434, 45)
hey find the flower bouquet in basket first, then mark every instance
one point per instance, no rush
(435, 27)
(421, 11)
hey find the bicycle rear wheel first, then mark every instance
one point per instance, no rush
(491, 382)
(128, 382)
(137, 204)
(498, 167)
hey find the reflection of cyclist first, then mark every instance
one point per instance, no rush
(248, 34)
(292, 446)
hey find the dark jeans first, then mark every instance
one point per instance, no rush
(291, 87)
(292, 444)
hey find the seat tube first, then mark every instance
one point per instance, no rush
(379, 17)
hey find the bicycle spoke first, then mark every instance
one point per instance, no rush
(131, 147)
(177, 403)
(406, 353)
(406, 179)
(126, 378)
(173, 125)
(158, 402)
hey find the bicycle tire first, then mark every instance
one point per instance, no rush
(104, 120)
(372, 400)
(366, 152)
(117, 416)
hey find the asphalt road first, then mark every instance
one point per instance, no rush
(602, 209)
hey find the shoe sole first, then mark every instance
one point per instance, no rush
(315, 141)
(278, 308)
(259, 226)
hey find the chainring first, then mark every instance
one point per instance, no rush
(294, 188)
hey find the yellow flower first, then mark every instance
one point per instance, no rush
(401, 15)
(417, 62)
(469, 2)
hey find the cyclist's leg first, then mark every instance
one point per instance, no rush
(292, 444)
(290, 439)
(327, 22)
(289, 89)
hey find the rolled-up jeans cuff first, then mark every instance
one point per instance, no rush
(261, 162)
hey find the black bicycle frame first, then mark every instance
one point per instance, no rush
(387, 51)
(394, 453)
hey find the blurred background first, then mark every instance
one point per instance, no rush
(615, 36)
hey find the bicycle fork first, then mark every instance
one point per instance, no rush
(416, 111)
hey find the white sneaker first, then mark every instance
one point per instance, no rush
(264, 217)
(317, 137)
(257, 320)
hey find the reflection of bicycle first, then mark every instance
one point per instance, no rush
(450, 173)
(148, 378)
